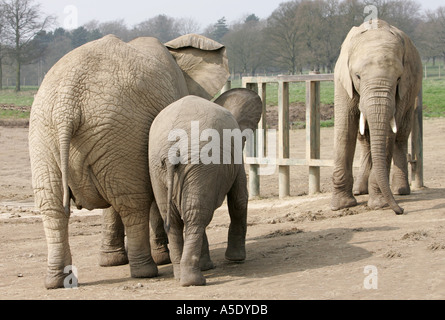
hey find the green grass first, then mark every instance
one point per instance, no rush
(433, 92)
(433, 95)
(297, 92)
(24, 98)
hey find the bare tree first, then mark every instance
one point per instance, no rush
(245, 46)
(283, 36)
(2, 46)
(161, 27)
(188, 25)
(116, 27)
(24, 20)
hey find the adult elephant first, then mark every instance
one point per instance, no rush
(89, 131)
(192, 177)
(378, 76)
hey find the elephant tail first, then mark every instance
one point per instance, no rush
(65, 136)
(170, 181)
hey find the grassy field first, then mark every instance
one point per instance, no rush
(8, 97)
(433, 95)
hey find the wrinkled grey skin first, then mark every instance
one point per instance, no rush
(89, 133)
(379, 75)
(188, 194)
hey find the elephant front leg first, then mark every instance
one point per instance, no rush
(112, 251)
(59, 254)
(237, 200)
(346, 128)
(138, 242)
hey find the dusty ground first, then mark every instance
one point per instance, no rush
(296, 248)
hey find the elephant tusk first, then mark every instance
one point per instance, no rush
(362, 123)
(393, 125)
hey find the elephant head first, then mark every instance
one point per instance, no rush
(376, 68)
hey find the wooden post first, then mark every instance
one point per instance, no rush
(254, 178)
(313, 132)
(283, 138)
(262, 126)
(417, 145)
(227, 86)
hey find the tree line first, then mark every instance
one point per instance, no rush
(298, 35)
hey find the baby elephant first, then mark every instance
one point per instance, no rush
(195, 160)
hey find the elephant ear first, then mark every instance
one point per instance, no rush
(204, 64)
(245, 105)
(341, 73)
(411, 64)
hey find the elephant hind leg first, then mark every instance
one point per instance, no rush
(237, 200)
(205, 262)
(112, 251)
(59, 254)
(191, 274)
(195, 221)
(361, 182)
(400, 182)
(138, 239)
(158, 237)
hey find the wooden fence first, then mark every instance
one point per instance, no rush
(312, 160)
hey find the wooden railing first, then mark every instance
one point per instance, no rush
(312, 160)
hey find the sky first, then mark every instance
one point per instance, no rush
(74, 13)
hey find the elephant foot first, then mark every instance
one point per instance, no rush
(341, 202)
(113, 259)
(236, 253)
(206, 264)
(360, 188)
(404, 190)
(161, 255)
(191, 276)
(377, 202)
(148, 270)
(55, 281)
(177, 271)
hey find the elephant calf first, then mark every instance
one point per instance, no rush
(191, 178)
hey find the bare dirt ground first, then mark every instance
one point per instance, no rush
(297, 248)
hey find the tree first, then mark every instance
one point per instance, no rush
(162, 27)
(2, 46)
(244, 44)
(187, 26)
(116, 27)
(220, 30)
(79, 36)
(283, 36)
(24, 21)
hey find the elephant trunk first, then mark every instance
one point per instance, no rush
(379, 112)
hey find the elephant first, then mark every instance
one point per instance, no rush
(191, 179)
(88, 138)
(378, 76)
